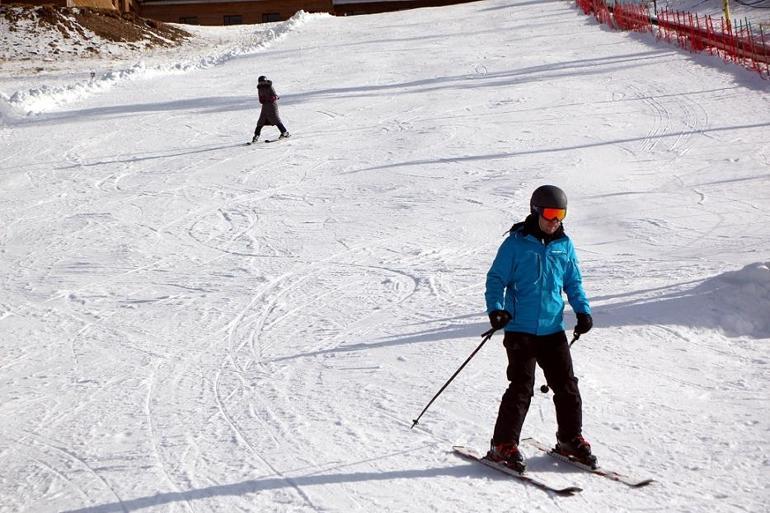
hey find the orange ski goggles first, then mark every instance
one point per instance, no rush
(552, 214)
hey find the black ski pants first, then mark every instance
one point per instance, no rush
(551, 352)
(261, 125)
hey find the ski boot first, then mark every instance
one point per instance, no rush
(284, 135)
(577, 449)
(507, 454)
(254, 139)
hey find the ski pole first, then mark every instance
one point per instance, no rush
(487, 335)
(575, 336)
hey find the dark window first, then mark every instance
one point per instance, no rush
(270, 17)
(188, 20)
(235, 19)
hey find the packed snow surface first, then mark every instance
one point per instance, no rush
(188, 324)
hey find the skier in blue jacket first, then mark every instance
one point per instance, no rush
(534, 264)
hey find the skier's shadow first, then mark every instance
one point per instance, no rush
(542, 463)
(266, 484)
(455, 330)
(132, 158)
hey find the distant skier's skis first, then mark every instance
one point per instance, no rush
(609, 474)
(472, 455)
(266, 141)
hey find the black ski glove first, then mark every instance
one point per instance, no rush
(499, 318)
(584, 323)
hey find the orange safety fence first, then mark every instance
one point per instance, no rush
(632, 17)
(734, 42)
(598, 8)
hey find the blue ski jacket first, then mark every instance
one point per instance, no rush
(527, 278)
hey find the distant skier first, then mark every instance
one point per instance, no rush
(269, 114)
(524, 295)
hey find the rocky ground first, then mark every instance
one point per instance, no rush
(48, 32)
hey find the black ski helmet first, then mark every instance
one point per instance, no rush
(261, 78)
(547, 196)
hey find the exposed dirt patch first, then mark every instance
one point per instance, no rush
(76, 22)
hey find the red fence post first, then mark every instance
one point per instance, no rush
(698, 41)
(764, 50)
(753, 49)
(710, 34)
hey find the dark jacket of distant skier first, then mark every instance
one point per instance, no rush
(268, 98)
(533, 275)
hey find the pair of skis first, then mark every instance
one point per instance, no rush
(470, 454)
(266, 141)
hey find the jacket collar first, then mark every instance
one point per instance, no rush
(530, 226)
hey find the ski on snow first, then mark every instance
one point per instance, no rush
(472, 455)
(609, 474)
(266, 141)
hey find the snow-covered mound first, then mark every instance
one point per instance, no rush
(43, 97)
(745, 295)
(737, 303)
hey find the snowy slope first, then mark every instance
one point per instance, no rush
(192, 325)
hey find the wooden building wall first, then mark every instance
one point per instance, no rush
(228, 12)
(371, 7)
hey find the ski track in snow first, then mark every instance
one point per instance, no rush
(190, 324)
